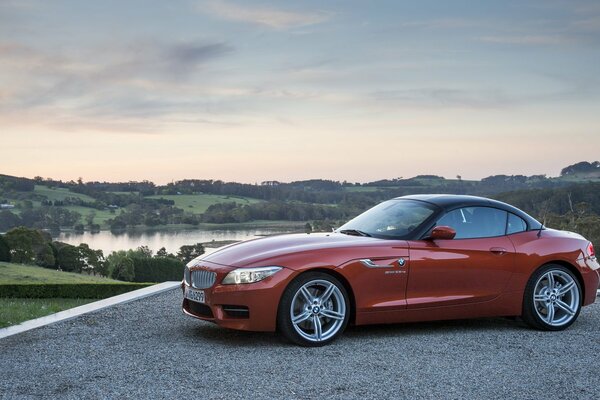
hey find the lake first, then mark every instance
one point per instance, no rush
(171, 240)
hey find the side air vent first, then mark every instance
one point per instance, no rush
(236, 311)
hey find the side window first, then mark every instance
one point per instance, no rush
(515, 224)
(475, 222)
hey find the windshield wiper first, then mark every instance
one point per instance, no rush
(354, 232)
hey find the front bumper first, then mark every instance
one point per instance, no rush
(590, 272)
(225, 305)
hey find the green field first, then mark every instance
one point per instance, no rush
(21, 274)
(100, 216)
(15, 311)
(59, 193)
(198, 203)
(362, 188)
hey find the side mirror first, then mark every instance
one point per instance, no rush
(442, 233)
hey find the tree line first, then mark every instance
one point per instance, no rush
(35, 247)
(316, 199)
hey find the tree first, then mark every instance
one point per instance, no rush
(45, 257)
(4, 249)
(68, 258)
(162, 252)
(9, 220)
(89, 219)
(91, 260)
(188, 252)
(120, 266)
(144, 251)
(28, 246)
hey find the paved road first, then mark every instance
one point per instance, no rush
(147, 349)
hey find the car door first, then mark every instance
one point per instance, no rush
(473, 267)
(379, 276)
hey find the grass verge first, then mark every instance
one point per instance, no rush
(15, 311)
(20, 274)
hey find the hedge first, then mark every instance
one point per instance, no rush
(68, 290)
(157, 269)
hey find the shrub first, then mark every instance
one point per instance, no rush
(123, 270)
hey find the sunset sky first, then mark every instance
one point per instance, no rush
(287, 90)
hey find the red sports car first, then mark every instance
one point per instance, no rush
(413, 258)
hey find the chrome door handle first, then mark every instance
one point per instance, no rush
(498, 250)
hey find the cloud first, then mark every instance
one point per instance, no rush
(588, 24)
(443, 98)
(126, 83)
(445, 23)
(265, 16)
(527, 39)
(165, 61)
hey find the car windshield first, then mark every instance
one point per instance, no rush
(391, 219)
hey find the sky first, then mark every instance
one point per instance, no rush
(251, 91)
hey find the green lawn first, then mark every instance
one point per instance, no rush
(100, 216)
(20, 274)
(15, 311)
(59, 193)
(198, 203)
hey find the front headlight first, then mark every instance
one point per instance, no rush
(249, 275)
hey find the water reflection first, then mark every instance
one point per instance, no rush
(171, 240)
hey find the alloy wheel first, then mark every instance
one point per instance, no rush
(556, 298)
(318, 310)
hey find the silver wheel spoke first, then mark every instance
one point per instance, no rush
(566, 288)
(539, 297)
(550, 280)
(550, 313)
(327, 294)
(565, 307)
(301, 318)
(306, 294)
(332, 314)
(318, 327)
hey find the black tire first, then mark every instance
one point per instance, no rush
(533, 310)
(338, 300)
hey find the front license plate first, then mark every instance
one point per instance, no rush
(194, 295)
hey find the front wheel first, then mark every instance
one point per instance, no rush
(314, 309)
(552, 298)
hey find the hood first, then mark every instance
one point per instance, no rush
(251, 252)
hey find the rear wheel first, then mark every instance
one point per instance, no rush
(314, 309)
(552, 298)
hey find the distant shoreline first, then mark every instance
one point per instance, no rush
(292, 225)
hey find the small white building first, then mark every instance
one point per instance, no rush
(6, 206)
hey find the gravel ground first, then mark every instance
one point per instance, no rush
(148, 349)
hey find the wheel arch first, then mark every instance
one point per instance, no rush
(571, 268)
(340, 278)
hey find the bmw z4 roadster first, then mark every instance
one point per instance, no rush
(413, 258)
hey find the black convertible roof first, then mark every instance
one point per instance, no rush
(451, 201)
